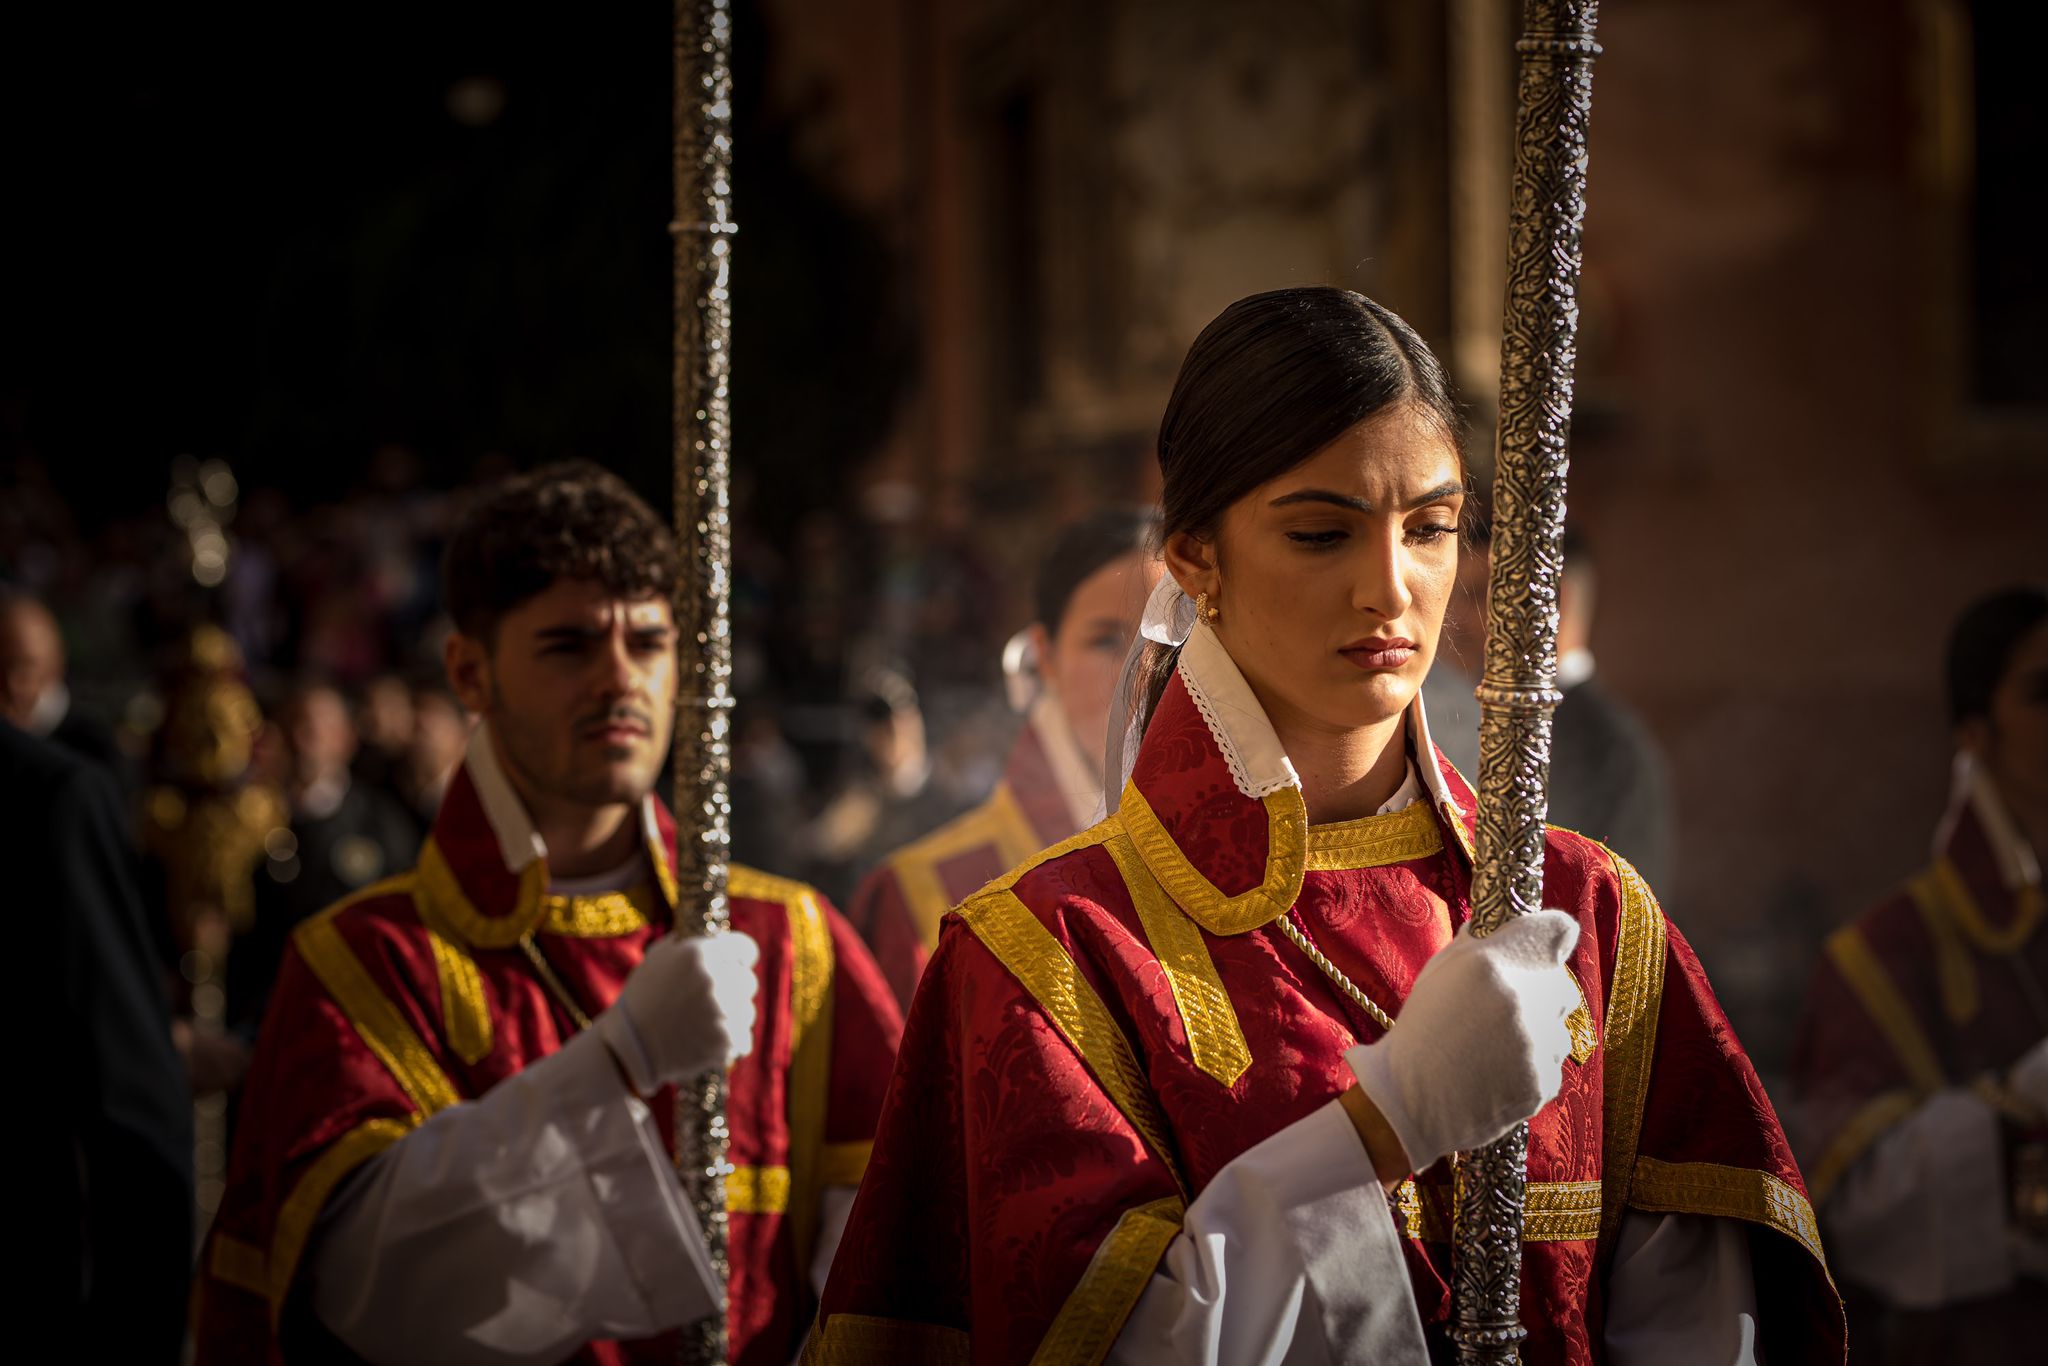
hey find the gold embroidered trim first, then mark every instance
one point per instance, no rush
(1038, 962)
(1887, 1009)
(2000, 940)
(1555, 1211)
(757, 1190)
(1634, 997)
(844, 1164)
(240, 1265)
(1286, 861)
(1374, 841)
(597, 917)
(464, 1014)
(1953, 968)
(998, 824)
(1580, 1023)
(455, 910)
(375, 1019)
(1726, 1193)
(861, 1340)
(1853, 1139)
(810, 1039)
(295, 1218)
(1215, 1038)
(1117, 1274)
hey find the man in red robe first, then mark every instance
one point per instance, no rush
(1121, 1124)
(1922, 1058)
(455, 1140)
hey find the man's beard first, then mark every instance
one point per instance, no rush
(608, 788)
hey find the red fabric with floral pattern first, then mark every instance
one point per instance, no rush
(1004, 1161)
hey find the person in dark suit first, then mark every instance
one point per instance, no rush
(1608, 778)
(344, 835)
(33, 695)
(108, 1131)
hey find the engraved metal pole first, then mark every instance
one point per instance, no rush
(1518, 690)
(703, 230)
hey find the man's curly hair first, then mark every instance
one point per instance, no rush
(573, 520)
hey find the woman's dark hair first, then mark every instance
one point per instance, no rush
(1274, 379)
(1101, 538)
(1981, 647)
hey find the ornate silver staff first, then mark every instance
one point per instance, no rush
(703, 230)
(1518, 689)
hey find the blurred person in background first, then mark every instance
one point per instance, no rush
(342, 835)
(384, 730)
(440, 733)
(1608, 777)
(1090, 591)
(1921, 1066)
(454, 1144)
(108, 1163)
(887, 785)
(35, 697)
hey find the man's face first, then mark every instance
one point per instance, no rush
(31, 658)
(579, 688)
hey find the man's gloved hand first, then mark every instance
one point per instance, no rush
(1481, 1040)
(688, 1007)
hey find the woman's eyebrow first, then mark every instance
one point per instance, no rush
(1345, 500)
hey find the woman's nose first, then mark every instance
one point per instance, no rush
(1382, 584)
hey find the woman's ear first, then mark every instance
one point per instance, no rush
(1192, 562)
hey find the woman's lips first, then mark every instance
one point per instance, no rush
(1374, 655)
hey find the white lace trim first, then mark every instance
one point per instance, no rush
(1258, 765)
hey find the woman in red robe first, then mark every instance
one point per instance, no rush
(1922, 1058)
(1062, 669)
(1189, 1086)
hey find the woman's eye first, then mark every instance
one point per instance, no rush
(1431, 533)
(1317, 540)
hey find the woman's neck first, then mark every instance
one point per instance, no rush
(1344, 774)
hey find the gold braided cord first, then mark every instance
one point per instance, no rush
(556, 988)
(1334, 973)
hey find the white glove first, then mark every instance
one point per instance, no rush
(2029, 1078)
(1481, 1040)
(688, 1007)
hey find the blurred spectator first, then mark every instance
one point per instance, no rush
(342, 836)
(34, 696)
(384, 728)
(1922, 1060)
(1608, 778)
(440, 734)
(889, 771)
(111, 1248)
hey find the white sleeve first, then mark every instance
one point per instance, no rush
(1921, 1217)
(1288, 1256)
(514, 1228)
(1681, 1292)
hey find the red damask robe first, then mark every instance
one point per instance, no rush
(1105, 1027)
(1940, 986)
(415, 994)
(898, 906)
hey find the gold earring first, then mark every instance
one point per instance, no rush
(1203, 611)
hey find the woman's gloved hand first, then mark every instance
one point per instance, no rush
(1480, 1042)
